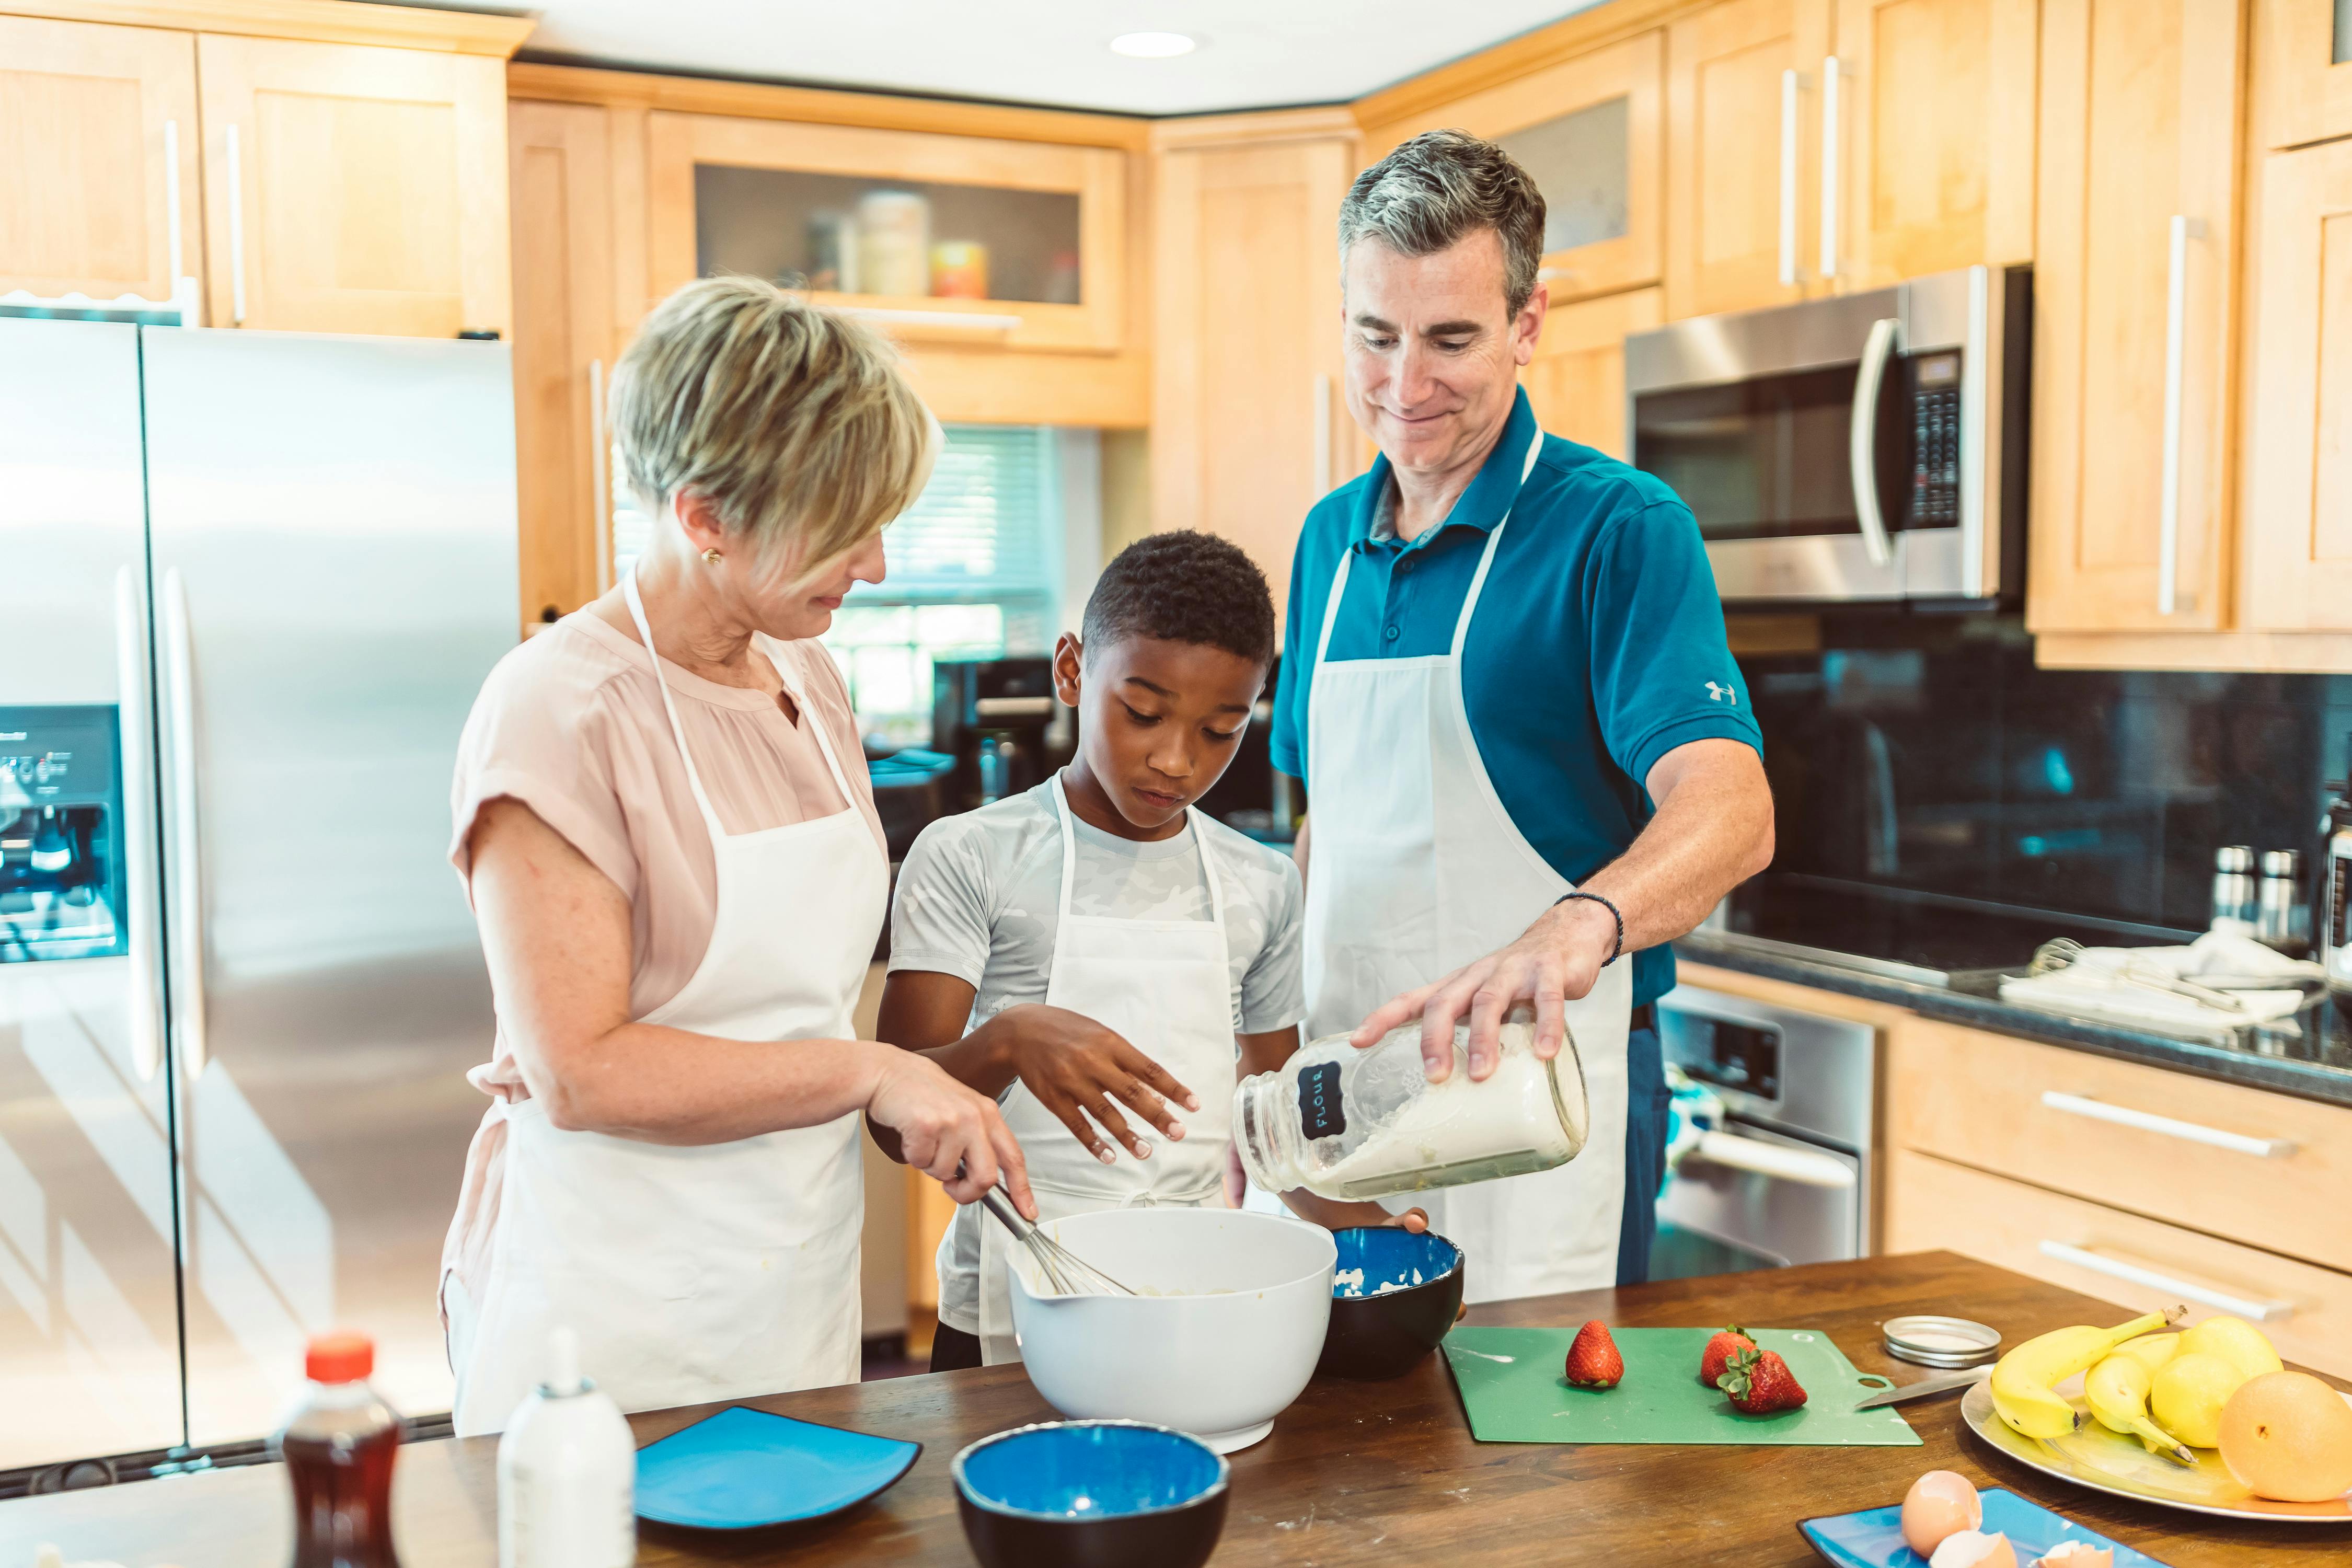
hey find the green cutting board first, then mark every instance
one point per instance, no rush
(1514, 1392)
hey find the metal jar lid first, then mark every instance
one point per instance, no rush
(1940, 1341)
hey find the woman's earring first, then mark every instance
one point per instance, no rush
(712, 555)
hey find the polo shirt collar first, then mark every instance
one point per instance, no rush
(1482, 505)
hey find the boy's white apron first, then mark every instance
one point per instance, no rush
(1166, 988)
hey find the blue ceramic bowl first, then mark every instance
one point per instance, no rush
(1091, 1494)
(1376, 1334)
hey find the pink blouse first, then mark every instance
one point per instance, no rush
(571, 723)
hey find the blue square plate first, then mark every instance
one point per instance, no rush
(742, 1469)
(1873, 1538)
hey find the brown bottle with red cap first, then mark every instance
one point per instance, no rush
(338, 1446)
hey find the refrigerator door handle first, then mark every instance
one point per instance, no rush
(187, 862)
(141, 862)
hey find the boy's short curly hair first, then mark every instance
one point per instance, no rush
(1182, 587)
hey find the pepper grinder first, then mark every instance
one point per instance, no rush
(2235, 900)
(2281, 915)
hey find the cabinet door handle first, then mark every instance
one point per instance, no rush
(2176, 353)
(1832, 171)
(1322, 437)
(187, 984)
(1789, 81)
(1862, 436)
(2148, 1122)
(600, 481)
(2132, 1273)
(236, 226)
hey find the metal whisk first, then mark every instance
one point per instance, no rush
(1065, 1271)
(2064, 952)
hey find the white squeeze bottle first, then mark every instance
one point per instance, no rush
(567, 1473)
(1350, 1124)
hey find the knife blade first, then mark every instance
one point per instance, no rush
(1926, 1387)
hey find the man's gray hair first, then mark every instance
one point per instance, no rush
(1431, 191)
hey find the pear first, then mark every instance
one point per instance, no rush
(2235, 1341)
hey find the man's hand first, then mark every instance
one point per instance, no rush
(1556, 960)
(1078, 1069)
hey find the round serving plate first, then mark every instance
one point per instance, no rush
(2090, 1456)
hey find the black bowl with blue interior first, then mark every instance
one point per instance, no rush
(1091, 1494)
(1393, 1297)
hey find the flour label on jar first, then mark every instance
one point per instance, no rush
(1319, 1112)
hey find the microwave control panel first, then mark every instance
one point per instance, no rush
(1936, 440)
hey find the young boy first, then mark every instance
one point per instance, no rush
(1171, 940)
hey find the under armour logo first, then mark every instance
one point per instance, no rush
(1718, 692)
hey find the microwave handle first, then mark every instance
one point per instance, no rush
(1862, 436)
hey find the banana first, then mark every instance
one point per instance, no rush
(2022, 1379)
(2116, 1389)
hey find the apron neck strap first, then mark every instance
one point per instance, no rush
(669, 707)
(1065, 819)
(1494, 538)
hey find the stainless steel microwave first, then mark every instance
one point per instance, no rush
(1869, 447)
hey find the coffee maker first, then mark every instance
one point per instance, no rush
(60, 812)
(1000, 720)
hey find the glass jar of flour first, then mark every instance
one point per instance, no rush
(1345, 1123)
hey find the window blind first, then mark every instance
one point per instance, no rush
(986, 529)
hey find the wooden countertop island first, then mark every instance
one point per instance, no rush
(1373, 1474)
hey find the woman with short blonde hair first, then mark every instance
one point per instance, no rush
(664, 823)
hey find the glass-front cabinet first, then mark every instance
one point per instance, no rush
(2303, 71)
(1589, 130)
(958, 239)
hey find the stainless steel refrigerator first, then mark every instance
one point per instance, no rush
(249, 583)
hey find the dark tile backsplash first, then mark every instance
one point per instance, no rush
(1930, 754)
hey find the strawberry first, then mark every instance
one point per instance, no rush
(1593, 1360)
(1719, 1351)
(1760, 1383)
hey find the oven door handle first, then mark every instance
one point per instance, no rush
(1781, 1163)
(1861, 435)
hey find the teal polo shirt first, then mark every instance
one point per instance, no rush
(1596, 648)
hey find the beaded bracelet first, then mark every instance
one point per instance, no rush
(1616, 951)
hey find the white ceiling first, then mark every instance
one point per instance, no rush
(1251, 53)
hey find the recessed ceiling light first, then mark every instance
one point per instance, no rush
(1151, 46)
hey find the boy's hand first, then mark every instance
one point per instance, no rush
(1078, 1069)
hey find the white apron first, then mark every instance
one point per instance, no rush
(728, 1269)
(1416, 870)
(1165, 986)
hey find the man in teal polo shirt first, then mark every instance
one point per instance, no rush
(1526, 749)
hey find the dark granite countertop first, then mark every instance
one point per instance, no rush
(2308, 1055)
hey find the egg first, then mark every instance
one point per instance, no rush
(1969, 1549)
(1939, 1503)
(2077, 1555)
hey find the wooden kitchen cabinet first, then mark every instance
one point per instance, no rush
(559, 161)
(2303, 71)
(99, 146)
(354, 189)
(1577, 380)
(1248, 427)
(1592, 131)
(2306, 1311)
(2298, 520)
(731, 193)
(1929, 164)
(2135, 285)
(1743, 138)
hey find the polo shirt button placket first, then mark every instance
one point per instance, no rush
(1392, 633)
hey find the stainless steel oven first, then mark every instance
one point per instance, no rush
(1787, 1178)
(1870, 446)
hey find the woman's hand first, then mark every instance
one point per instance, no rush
(953, 1135)
(1078, 1069)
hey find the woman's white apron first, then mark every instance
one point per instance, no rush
(722, 1270)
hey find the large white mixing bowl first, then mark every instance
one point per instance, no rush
(1220, 1361)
